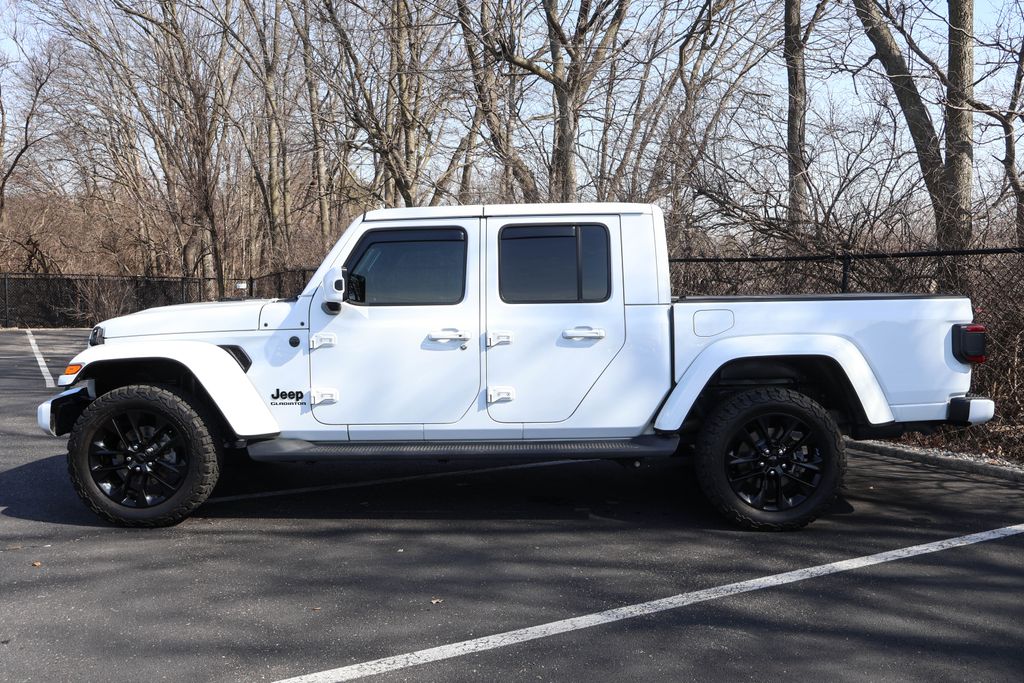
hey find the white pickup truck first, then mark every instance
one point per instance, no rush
(533, 331)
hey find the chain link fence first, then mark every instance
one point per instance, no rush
(43, 300)
(993, 278)
(283, 284)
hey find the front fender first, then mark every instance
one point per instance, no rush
(708, 362)
(213, 367)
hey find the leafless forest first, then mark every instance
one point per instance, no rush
(229, 139)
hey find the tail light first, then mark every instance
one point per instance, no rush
(969, 343)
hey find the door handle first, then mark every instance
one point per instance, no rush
(448, 335)
(583, 333)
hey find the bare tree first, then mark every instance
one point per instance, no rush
(578, 41)
(20, 128)
(1003, 104)
(226, 139)
(177, 102)
(948, 179)
(794, 46)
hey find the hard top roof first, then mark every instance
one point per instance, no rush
(482, 210)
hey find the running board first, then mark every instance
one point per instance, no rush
(296, 450)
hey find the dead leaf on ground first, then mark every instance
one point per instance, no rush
(37, 563)
(436, 601)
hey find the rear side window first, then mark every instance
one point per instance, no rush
(554, 264)
(408, 267)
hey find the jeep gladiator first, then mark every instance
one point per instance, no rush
(530, 331)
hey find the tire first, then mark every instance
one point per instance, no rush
(770, 459)
(144, 456)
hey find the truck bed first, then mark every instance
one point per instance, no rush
(906, 340)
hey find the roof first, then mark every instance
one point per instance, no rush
(482, 210)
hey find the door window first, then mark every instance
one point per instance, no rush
(554, 264)
(409, 268)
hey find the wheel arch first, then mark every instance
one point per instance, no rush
(829, 369)
(207, 371)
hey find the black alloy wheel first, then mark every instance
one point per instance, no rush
(774, 462)
(137, 458)
(770, 459)
(145, 455)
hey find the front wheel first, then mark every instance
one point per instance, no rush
(770, 459)
(143, 455)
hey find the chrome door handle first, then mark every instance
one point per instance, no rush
(583, 333)
(448, 335)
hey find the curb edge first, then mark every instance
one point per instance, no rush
(945, 461)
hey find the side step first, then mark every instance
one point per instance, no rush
(296, 450)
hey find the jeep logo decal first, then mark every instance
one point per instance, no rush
(286, 397)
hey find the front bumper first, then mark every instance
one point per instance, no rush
(965, 411)
(57, 416)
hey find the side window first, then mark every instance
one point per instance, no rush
(554, 264)
(408, 267)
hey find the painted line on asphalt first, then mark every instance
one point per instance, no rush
(47, 377)
(499, 640)
(390, 480)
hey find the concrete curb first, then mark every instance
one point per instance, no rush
(950, 462)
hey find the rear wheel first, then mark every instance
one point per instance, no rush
(770, 459)
(143, 455)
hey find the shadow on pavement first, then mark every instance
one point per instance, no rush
(657, 494)
(41, 491)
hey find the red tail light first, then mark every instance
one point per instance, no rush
(969, 343)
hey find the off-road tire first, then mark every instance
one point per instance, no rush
(197, 429)
(722, 426)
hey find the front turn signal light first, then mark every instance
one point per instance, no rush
(72, 369)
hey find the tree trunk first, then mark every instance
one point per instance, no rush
(466, 180)
(316, 125)
(273, 165)
(955, 228)
(796, 119)
(563, 154)
(319, 163)
(919, 122)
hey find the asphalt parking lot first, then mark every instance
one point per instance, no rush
(291, 570)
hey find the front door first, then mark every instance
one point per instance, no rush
(405, 346)
(555, 316)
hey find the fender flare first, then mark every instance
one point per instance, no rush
(695, 377)
(214, 368)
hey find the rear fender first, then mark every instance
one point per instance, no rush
(214, 368)
(708, 362)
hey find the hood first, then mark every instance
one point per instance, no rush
(220, 316)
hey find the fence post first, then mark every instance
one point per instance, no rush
(7, 300)
(183, 291)
(844, 286)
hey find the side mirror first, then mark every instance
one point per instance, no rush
(334, 285)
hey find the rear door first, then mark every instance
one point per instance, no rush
(555, 317)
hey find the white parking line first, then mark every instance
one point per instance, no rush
(47, 377)
(434, 654)
(392, 480)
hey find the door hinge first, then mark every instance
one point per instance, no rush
(500, 394)
(321, 396)
(496, 338)
(323, 339)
